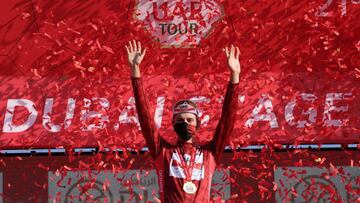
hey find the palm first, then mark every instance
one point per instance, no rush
(233, 59)
(234, 64)
(135, 56)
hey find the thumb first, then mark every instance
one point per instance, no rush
(143, 53)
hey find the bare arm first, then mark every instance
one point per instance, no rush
(135, 56)
(233, 63)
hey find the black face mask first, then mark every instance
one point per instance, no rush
(184, 130)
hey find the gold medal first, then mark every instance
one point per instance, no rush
(189, 187)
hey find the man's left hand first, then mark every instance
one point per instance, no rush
(233, 63)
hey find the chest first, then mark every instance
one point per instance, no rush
(197, 164)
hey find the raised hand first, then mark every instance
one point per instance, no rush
(233, 62)
(135, 56)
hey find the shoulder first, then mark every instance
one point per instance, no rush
(166, 144)
(207, 146)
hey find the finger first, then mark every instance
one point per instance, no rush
(139, 47)
(227, 52)
(143, 53)
(232, 50)
(131, 47)
(135, 47)
(127, 49)
(237, 53)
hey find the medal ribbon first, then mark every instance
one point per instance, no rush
(187, 169)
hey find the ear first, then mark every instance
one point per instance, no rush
(198, 123)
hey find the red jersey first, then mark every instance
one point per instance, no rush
(171, 174)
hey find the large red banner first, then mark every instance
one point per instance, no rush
(65, 79)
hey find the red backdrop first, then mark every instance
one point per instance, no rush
(299, 80)
(64, 82)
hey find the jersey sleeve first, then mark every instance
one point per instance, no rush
(227, 120)
(146, 118)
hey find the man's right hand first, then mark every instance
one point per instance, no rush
(135, 56)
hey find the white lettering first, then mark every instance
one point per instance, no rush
(124, 117)
(159, 111)
(270, 116)
(9, 115)
(330, 107)
(311, 112)
(48, 125)
(86, 114)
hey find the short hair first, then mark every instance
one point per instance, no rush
(186, 106)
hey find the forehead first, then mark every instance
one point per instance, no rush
(185, 115)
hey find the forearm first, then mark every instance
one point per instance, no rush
(142, 107)
(234, 77)
(227, 120)
(135, 71)
(145, 116)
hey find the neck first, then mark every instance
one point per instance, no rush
(183, 141)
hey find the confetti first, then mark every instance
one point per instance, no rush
(304, 49)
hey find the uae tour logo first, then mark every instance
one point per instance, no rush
(180, 23)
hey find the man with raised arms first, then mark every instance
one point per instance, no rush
(185, 170)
